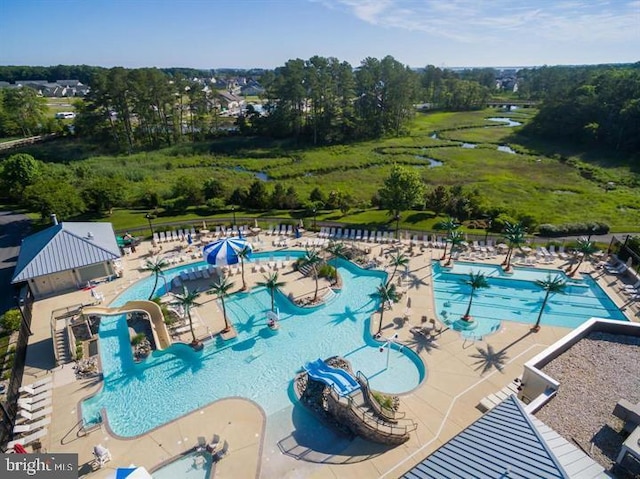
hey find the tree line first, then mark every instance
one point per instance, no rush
(321, 100)
(594, 106)
(71, 190)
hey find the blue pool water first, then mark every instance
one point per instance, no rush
(259, 364)
(195, 465)
(516, 297)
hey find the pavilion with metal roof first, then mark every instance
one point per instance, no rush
(66, 256)
(504, 443)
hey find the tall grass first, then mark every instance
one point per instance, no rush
(552, 183)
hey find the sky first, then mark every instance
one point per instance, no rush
(213, 34)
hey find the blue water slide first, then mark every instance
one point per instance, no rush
(340, 379)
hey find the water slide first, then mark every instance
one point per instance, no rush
(340, 379)
(159, 329)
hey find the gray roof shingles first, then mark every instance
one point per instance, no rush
(65, 246)
(503, 443)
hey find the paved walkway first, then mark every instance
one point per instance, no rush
(460, 374)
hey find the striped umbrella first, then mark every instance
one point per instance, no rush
(225, 251)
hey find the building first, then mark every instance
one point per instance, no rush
(515, 439)
(508, 442)
(66, 256)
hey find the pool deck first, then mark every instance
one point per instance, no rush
(460, 374)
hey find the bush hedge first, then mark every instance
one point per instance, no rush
(572, 229)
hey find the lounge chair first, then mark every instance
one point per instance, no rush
(35, 406)
(101, 454)
(36, 415)
(46, 381)
(31, 426)
(26, 440)
(222, 452)
(632, 287)
(182, 329)
(33, 391)
(618, 269)
(35, 399)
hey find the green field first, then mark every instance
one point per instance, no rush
(551, 183)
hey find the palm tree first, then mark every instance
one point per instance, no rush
(242, 255)
(396, 259)
(311, 258)
(585, 249)
(449, 225)
(337, 250)
(385, 293)
(221, 289)
(271, 283)
(187, 300)
(155, 265)
(455, 238)
(476, 281)
(550, 285)
(514, 234)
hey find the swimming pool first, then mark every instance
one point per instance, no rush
(516, 297)
(259, 364)
(195, 465)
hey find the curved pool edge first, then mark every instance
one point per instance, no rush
(412, 361)
(199, 411)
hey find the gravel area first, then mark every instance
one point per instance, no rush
(594, 375)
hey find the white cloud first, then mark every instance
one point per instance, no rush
(473, 21)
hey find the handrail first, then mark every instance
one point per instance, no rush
(373, 422)
(384, 412)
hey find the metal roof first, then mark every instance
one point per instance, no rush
(502, 444)
(575, 462)
(65, 246)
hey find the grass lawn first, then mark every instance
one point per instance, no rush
(552, 183)
(4, 345)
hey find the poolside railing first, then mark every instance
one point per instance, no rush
(371, 421)
(379, 409)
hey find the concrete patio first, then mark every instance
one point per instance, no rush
(459, 374)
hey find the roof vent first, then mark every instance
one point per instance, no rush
(54, 219)
(90, 235)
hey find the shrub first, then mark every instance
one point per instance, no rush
(327, 271)
(385, 401)
(79, 351)
(11, 320)
(573, 229)
(138, 338)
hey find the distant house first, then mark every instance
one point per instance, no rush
(252, 88)
(58, 89)
(69, 83)
(66, 256)
(230, 101)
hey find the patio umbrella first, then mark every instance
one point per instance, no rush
(224, 251)
(131, 472)
(19, 449)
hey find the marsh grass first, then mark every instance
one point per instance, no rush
(554, 183)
